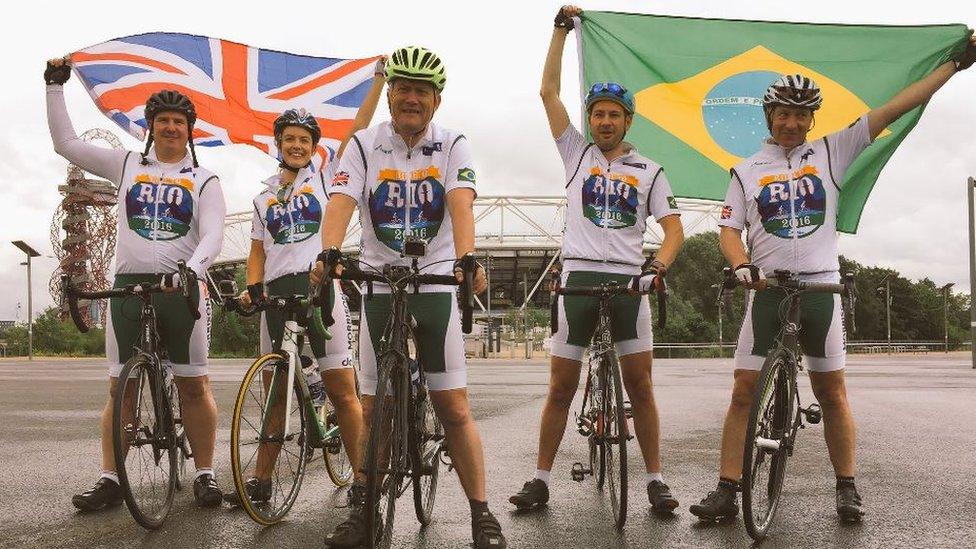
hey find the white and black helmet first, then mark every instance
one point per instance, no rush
(793, 90)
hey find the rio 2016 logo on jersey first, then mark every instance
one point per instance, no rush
(778, 208)
(611, 200)
(297, 220)
(393, 206)
(159, 208)
(718, 112)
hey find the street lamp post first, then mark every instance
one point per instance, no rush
(31, 253)
(887, 292)
(719, 303)
(945, 314)
(970, 186)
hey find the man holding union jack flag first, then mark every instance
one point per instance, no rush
(170, 210)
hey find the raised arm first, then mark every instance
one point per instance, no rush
(921, 91)
(100, 161)
(551, 73)
(366, 111)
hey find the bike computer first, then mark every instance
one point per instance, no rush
(414, 246)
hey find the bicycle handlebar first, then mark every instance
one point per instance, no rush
(71, 294)
(611, 290)
(289, 303)
(788, 281)
(333, 258)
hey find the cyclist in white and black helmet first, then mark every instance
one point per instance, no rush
(285, 239)
(785, 196)
(412, 178)
(170, 209)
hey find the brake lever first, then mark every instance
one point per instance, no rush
(188, 277)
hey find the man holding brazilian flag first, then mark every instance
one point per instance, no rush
(699, 83)
(803, 117)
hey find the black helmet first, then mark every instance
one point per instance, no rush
(170, 101)
(299, 118)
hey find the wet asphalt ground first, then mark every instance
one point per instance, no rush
(916, 453)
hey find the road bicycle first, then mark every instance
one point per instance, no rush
(148, 439)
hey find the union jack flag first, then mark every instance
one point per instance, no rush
(237, 90)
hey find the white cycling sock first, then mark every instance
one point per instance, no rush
(542, 475)
(203, 471)
(650, 477)
(110, 475)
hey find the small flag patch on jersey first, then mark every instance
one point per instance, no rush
(726, 212)
(340, 178)
(466, 174)
(672, 202)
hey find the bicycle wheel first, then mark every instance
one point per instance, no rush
(386, 453)
(598, 454)
(259, 445)
(333, 451)
(427, 439)
(143, 443)
(767, 443)
(614, 438)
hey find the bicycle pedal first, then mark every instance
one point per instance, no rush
(813, 414)
(578, 472)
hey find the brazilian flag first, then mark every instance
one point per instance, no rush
(699, 83)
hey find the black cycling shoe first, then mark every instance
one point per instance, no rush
(258, 491)
(534, 493)
(659, 495)
(486, 532)
(105, 493)
(352, 531)
(849, 503)
(719, 504)
(206, 491)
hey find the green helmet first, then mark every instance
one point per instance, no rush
(416, 63)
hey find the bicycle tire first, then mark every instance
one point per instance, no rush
(615, 438)
(426, 445)
(288, 460)
(143, 443)
(337, 463)
(385, 456)
(770, 418)
(180, 431)
(596, 437)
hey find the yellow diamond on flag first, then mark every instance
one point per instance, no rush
(718, 112)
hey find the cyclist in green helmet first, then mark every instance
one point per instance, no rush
(414, 179)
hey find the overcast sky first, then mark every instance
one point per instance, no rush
(915, 221)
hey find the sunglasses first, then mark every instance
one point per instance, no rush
(612, 87)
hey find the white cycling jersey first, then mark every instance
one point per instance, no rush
(403, 191)
(166, 212)
(291, 232)
(608, 206)
(787, 199)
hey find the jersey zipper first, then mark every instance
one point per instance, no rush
(406, 202)
(794, 223)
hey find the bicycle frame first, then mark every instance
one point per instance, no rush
(291, 345)
(601, 346)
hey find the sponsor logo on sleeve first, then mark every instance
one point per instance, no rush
(340, 179)
(673, 203)
(726, 212)
(466, 174)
